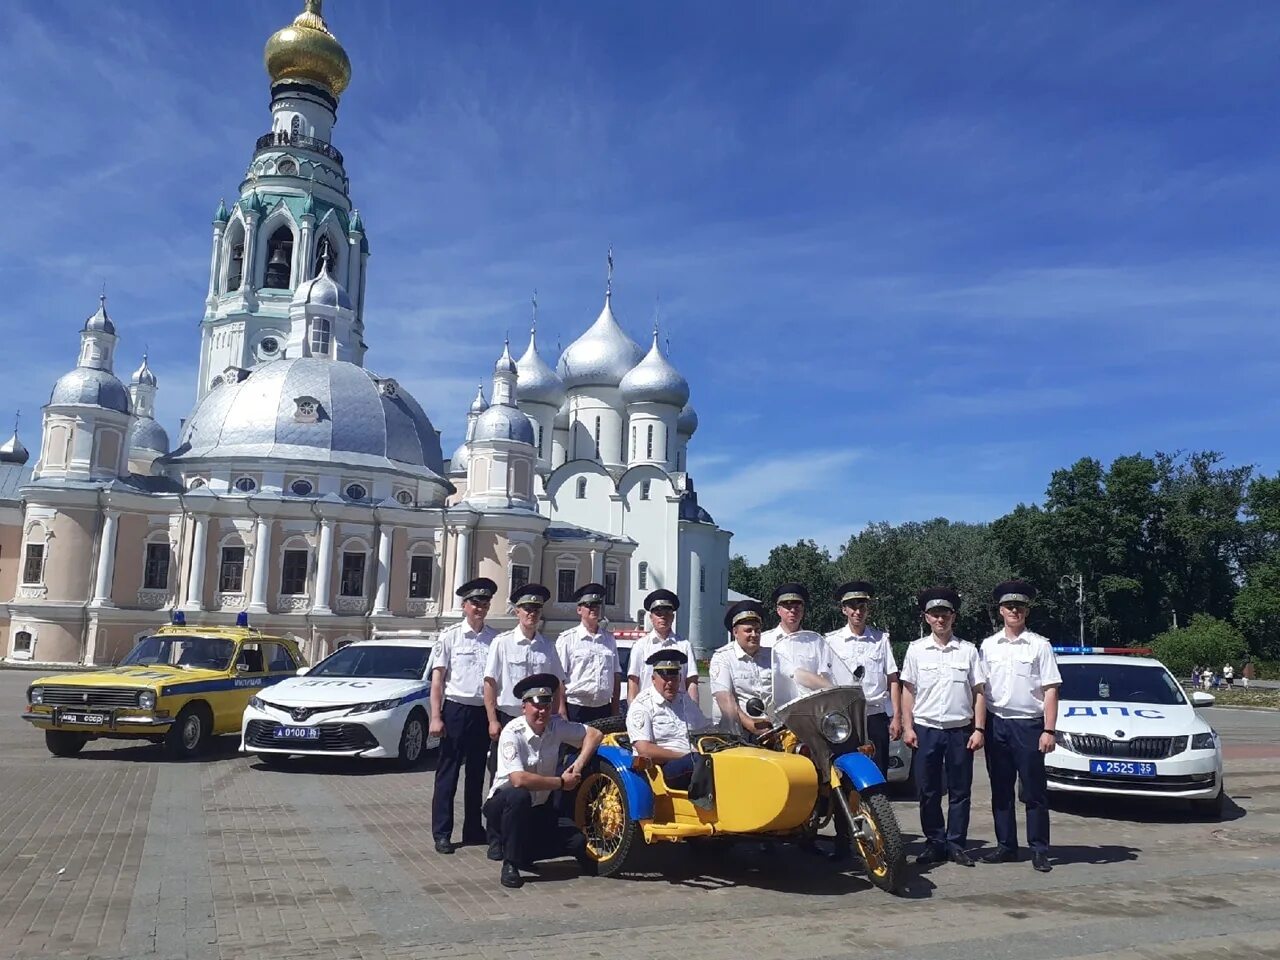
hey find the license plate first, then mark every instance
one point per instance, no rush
(1122, 768)
(297, 733)
(91, 719)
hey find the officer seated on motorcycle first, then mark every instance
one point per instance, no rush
(661, 719)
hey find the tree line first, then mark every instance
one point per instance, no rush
(1151, 542)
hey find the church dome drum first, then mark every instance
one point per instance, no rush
(501, 422)
(147, 434)
(91, 387)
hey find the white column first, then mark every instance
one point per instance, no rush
(106, 562)
(597, 566)
(304, 256)
(461, 565)
(261, 567)
(195, 579)
(324, 564)
(215, 266)
(385, 536)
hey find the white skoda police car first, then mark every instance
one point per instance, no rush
(367, 699)
(1126, 727)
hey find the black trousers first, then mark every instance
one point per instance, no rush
(580, 714)
(1013, 753)
(492, 765)
(464, 748)
(939, 749)
(527, 832)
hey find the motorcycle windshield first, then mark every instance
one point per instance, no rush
(803, 716)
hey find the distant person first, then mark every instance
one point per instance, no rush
(1246, 674)
(1206, 678)
(1228, 675)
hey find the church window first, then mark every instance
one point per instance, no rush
(356, 491)
(597, 438)
(246, 485)
(33, 564)
(666, 445)
(519, 576)
(702, 578)
(301, 488)
(611, 588)
(420, 570)
(566, 584)
(353, 574)
(295, 126)
(404, 498)
(235, 267)
(648, 444)
(320, 337)
(279, 273)
(196, 482)
(231, 570)
(307, 410)
(644, 574)
(633, 441)
(582, 488)
(155, 570)
(293, 573)
(22, 642)
(537, 438)
(644, 489)
(286, 167)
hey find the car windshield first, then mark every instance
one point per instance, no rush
(374, 660)
(205, 653)
(1125, 682)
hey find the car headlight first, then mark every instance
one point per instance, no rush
(1063, 740)
(376, 707)
(36, 694)
(1204, 741)
(836, 727)
(147, 700)
(257, 703)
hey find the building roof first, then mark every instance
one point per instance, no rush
(13, 477)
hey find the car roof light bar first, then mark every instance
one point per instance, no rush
(1114, 651)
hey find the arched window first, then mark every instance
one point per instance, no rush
(644, 489)
(279, 273)
(648, 443)
(235, 258)
(320, 336)
(644, 574)
(582, 488)
(295, 127)
(537, 438)
(666, 445)
(597, 438)
(22, 642)
(633, 441)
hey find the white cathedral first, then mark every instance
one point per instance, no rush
(309, 491)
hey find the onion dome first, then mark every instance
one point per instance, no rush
(13, 451)
(306, 51)
(687, 422)
(501, 422)
(504, 363)
(561, 421)
(655, 380)
(479, 405)
(600, 357)
(535, 381)
(143, 374)
(322, 291)
(100, 321)
(458, 462)
(146, 434)
(221, 215)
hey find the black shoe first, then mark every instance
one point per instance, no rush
(444, 846)
(1001, 855)
(495, 851)
(956, 855)
(930, 855)
(1041, 862)
(511, 876)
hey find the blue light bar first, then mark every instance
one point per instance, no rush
(242, 619)
(179, 618)
(1113, 651)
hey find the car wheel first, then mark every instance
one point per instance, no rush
(1212, 809)
(413, 742)
(273, 759)
(604, 817)
(189, 733)
(64, 744)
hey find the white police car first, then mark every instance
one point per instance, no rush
(1126, 727)
(371, 698)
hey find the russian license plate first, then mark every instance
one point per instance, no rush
(91, 719)
(1122, 768)
(297, 733)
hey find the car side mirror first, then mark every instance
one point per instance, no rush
(754, 707)
(242, 668)
(1201, 699)
(302, 671)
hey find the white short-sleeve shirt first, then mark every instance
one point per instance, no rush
(512, 657)
(462, 654)
(802, 650)
(667, 725)
(944, 679)
(872, 652)
(590, 664)
(1017, 672)
(519, 748)
(650, 644)
(738, 673)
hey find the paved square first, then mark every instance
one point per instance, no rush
(118, 853)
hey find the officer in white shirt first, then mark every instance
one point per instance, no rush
(661, 719)
(523, 826)
(458, 715)
(1022, 716)
(740, 670)
(942, 678)
(662, 606)
(800, 658)
(589, 656)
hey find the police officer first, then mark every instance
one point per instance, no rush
(857, 645)
(662, 717)
(740, 669)
(1022, 712)
(662, 606)
(589, 656)
(942, 679)
(800, 658)
(523, 826)
(458, 715)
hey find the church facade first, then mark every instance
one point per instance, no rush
(311, 492)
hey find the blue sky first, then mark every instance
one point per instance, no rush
(911, 257)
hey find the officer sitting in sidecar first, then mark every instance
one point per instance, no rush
(661, 719)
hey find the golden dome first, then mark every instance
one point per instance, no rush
(306, 50)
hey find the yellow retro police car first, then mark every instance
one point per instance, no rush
(177, 687)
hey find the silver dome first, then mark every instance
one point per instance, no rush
(147, 434)
(458, 462)
(354, 421)
(535, 381)
(479, 404)
(96, 388)
(687, 422)
(505, 364)
(655, 380)
(501, 422)
(100, 321)
(13, 450)
(322, 290)
(143, 374)
(601, 356)
(561, 421)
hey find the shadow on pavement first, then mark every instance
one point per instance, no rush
(219, 749)
(1139, 809)
(343, 766)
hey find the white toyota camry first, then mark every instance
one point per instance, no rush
(367, 699)
(1126, 726)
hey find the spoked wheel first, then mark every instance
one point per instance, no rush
(602, 815)
(879, 840)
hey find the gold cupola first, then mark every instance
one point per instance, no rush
(305, 50)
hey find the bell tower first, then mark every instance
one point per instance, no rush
(293, 213)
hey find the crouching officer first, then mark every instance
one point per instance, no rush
(662, 718)
(740, 670)
(1022, 713)
(523, 823)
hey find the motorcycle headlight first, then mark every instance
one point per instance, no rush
(147, 700)
(1204, 741)
(376, 707)
(1063, 740)
(835, 727)
(36, 694)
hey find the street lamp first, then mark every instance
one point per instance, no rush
(1076, 580)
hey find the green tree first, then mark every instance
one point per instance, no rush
(1207, 641)
(1256, 608)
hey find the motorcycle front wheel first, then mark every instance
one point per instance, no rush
(880, 844)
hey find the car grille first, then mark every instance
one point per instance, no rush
(1139, 748)
(64, 696)
(333, 736)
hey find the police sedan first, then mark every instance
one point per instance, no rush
(367, 699)
(1126, 727)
